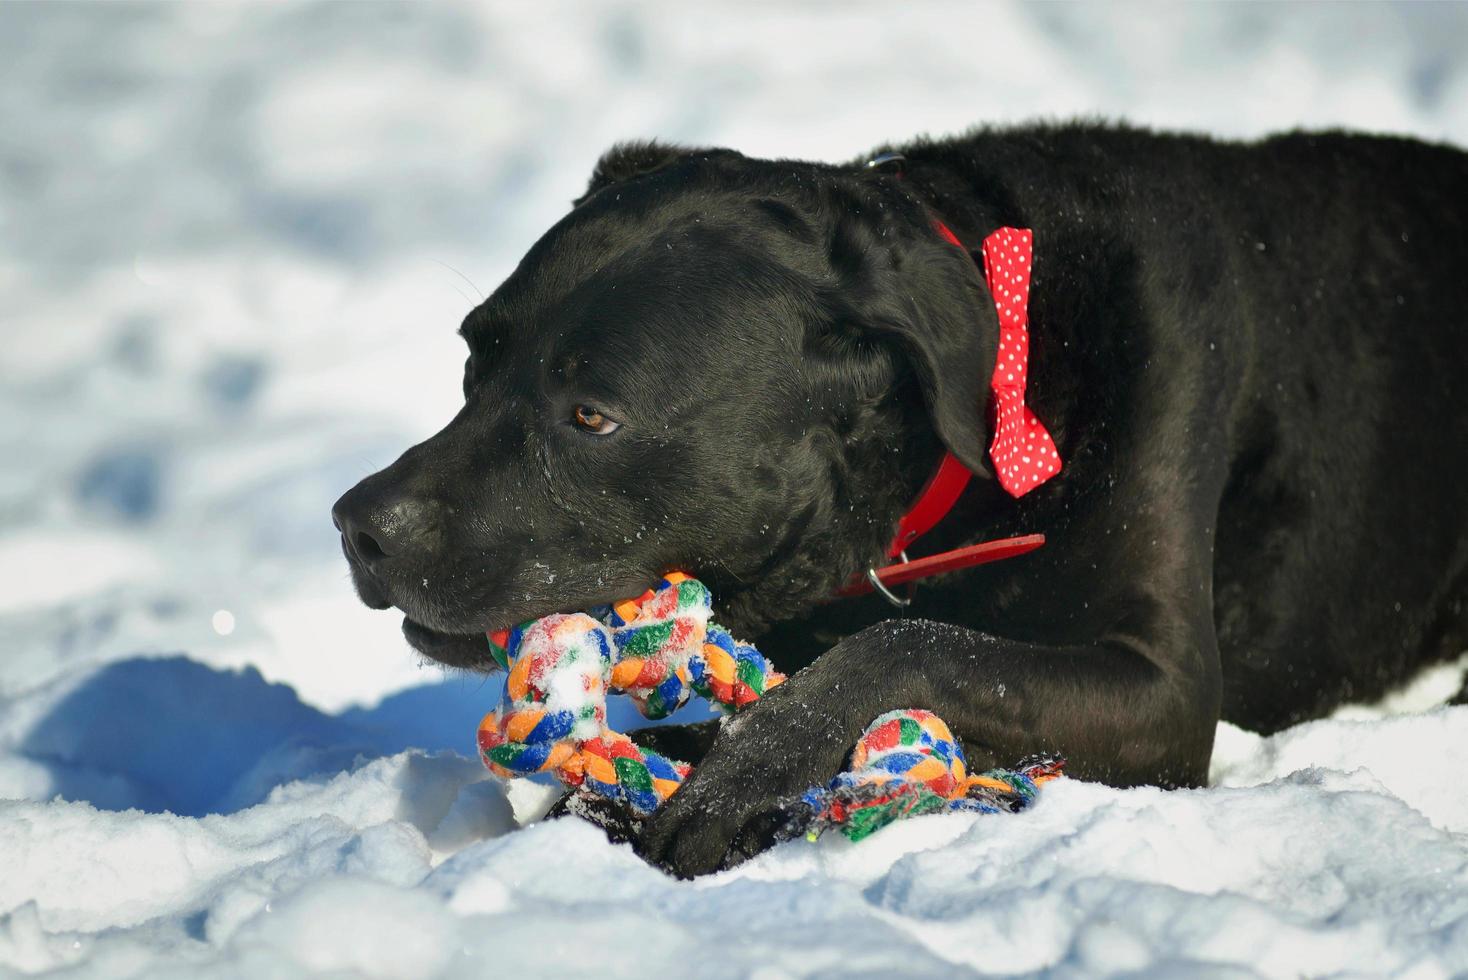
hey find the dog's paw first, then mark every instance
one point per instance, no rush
(740, 799)
(615, 819)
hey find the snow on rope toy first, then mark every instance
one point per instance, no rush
(660, 649)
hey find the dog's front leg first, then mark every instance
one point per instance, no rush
(1124, 710)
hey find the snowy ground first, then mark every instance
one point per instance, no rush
(234, 245)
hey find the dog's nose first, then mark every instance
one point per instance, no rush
(375, 529)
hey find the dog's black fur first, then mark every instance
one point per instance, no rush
(1251, 357)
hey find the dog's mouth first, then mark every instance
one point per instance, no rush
(470, 651)
(467, 650)
(462, 645)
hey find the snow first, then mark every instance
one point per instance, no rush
(234, 245)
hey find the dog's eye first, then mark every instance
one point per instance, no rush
(593, 421)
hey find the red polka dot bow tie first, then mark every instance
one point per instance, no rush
(1023, 453)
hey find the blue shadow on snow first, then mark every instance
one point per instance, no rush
(172, 734)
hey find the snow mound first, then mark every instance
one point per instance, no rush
(406, 866)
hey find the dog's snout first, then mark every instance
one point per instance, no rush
(376, 528)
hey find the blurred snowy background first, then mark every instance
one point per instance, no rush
(235, 242)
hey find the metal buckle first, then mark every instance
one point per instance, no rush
(887, 593)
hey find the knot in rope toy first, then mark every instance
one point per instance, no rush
(907, 763)
(660, 649)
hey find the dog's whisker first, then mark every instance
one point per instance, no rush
(456, 272)
(725, 566)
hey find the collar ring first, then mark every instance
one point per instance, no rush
(899, 601)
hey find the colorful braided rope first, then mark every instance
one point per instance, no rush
(660, 649)
(906, 763)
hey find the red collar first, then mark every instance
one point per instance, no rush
(1023, 453)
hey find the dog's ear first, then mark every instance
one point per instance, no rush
(637, 157)
(902, 282)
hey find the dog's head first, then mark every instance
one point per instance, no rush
(736, 367)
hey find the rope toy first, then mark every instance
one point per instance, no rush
(907, 763)
(660, 649)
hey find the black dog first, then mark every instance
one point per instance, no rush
(1251, 358)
